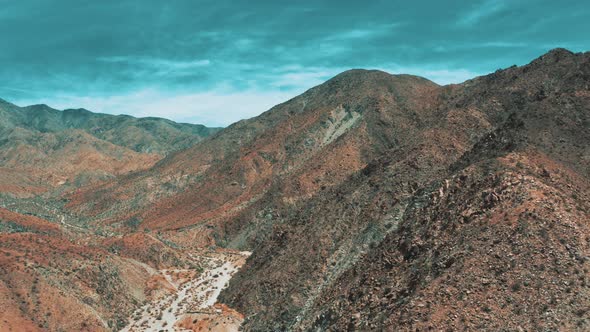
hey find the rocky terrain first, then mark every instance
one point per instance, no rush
(42, 149)
(371, 202)
(222, 189)
(49, 281)
(483, 228)
(57, 272)
(58, 278)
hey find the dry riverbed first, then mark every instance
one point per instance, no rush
(190, 300)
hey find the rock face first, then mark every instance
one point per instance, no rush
(42, 149)
(370, 202)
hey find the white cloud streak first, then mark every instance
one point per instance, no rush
(157, 64)
(363, 33)
(484, 10)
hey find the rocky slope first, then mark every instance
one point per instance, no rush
(56, 272)
(481, 226)
(285, 155)
(56, 277)
(50, 282)
(42, 149)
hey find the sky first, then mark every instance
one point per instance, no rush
(216, 62)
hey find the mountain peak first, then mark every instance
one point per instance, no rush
(360, 72)
(79, 111)
(371, 74)
(370, 79)
(555, 55)
(559, 51)
(40, 107)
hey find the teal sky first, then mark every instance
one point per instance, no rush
(215, 62)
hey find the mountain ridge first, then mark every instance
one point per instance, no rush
(50, 148)
(317, 117)
(44, 118)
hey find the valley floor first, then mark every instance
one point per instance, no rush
(191, 301)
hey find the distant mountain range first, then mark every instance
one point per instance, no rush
(372, 202)
(42, 148)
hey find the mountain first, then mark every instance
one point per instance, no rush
(145, 135)
(365, 199)
(371, 202)
(281, 157)
(479, 221)
(56, 272)
(42, 148)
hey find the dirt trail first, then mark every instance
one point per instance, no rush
(192, 302)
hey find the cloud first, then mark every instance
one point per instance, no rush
(484, 45)
(224, 103)
(363, 33)
(157, 63)
(229, 53)
(484, 10)
(298, 78)
(342, 41)
(138, 67)
(8, 88)
(438, 74)
(445, 76)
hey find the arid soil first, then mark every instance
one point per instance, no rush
(50, 280)
(57, 280)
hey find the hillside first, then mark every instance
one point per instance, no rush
(490, 234)
(48, 281)
(145, 135)
(58, 277)
(281, 157)
(42, 149)
(361, 166)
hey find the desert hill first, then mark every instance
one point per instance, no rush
(42, 148)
